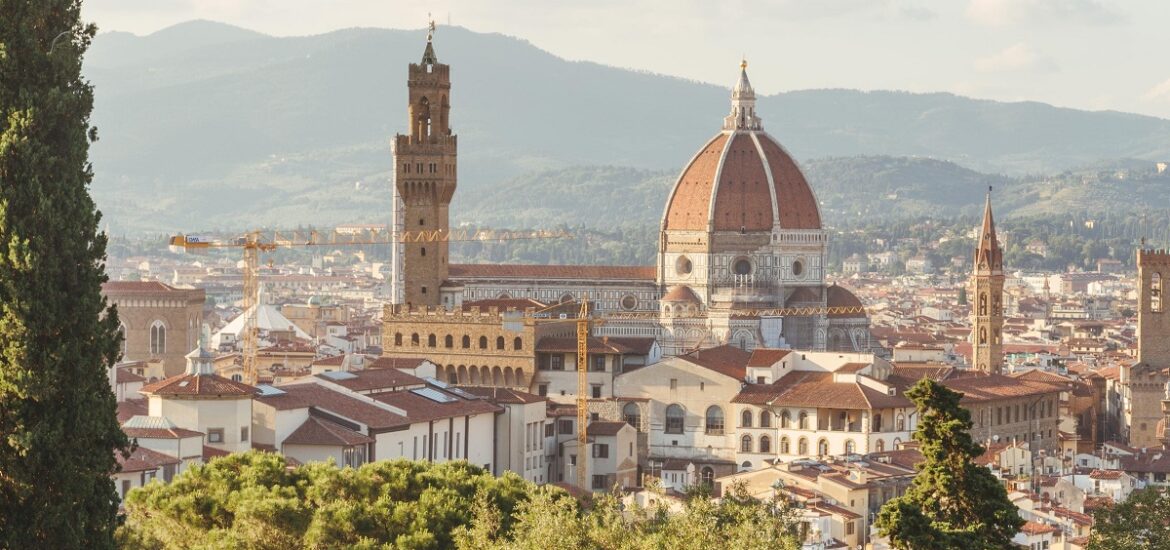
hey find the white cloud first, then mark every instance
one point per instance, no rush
(1017, 57)
(1161, 92)
(1000, 13)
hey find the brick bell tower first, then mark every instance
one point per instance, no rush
(987, 298)
(424, 182)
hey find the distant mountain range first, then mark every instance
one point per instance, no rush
(207, 126)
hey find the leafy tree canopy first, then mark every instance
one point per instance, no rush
(1141, 522)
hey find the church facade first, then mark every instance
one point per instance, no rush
(741, 244)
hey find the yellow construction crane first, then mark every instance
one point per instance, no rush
(582, 385)
(254, 243)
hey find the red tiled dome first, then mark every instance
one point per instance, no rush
(681, 293)
(838, 296)
(734, 170)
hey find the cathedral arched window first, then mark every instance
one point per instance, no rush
(398, 338)
(674, 419)
(449, 341)
(517, 343)
(414, 339)
(802, 447)
(823, 447)
(982, 303)
(802, 422)
(765, 444)
(745, 444)
(765, 419)
(499, 342)
(982, 335)
(466, 342)
(785, 419)
(745, 419)
(158, 338)
(483, 342)
(632, 415)
(784, 446)
(431, 340)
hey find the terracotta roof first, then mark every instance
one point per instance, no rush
(637, 345)
(395, 363)
(603, 345)
(421, 409)
(125, 287)
(318, 431)
(1036, 528)
(742, 199)
(605, 428)
(505, 304)
(143, 460)
(130, 408)
(727, 360)
(503, 395)
(203, 385)
(817, 389)
(335, 361)
(519, 271)
(979, 386)
(766, 357)
(124, 376)
(681, 293)
(1106, 474)
(839, 296)
(308, 394)
(376, 379)
(211, 452)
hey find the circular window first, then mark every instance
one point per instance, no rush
(742, 266)
(682, 266)
(629, 302)
(566, 298)
(797, 268)
(504, 296)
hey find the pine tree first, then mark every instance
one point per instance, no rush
(58, 427)
(952, 502)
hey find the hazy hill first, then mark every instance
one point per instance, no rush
(205, 125)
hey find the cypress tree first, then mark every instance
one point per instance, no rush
(952, 502)
(58, 426)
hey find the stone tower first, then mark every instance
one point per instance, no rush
(987, 298)
(424, 182)
(1153, 321)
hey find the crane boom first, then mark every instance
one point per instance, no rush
(255, 242)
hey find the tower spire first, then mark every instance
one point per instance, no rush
(429, 57)
(988, 255)
(743, 104)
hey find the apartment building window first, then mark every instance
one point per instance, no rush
(353, 456)
(802, 421)
(784, 446)
(674, 383)
(598, 363)
(598, 482)
(550, 430)
(125, 488)
(674, 419)
(215, 435)
(596, 391)
(714, 420)
(849, 527)
(600, 450)
(244, 434)
(565, 427)
(556, 362)
(765, 444)
(765, 419)
(745, 419)
(542, 390)
(745, 444)
(785, 419)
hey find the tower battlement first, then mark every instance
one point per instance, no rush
(1153, 257)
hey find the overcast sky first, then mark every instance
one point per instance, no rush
(1090, 54)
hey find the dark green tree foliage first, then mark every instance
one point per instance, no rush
(1141, 522)
(952, 502)
(254, 500)
(58, 429)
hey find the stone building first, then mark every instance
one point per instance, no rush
(742, 237)
(1143, 385)
(159, 322)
